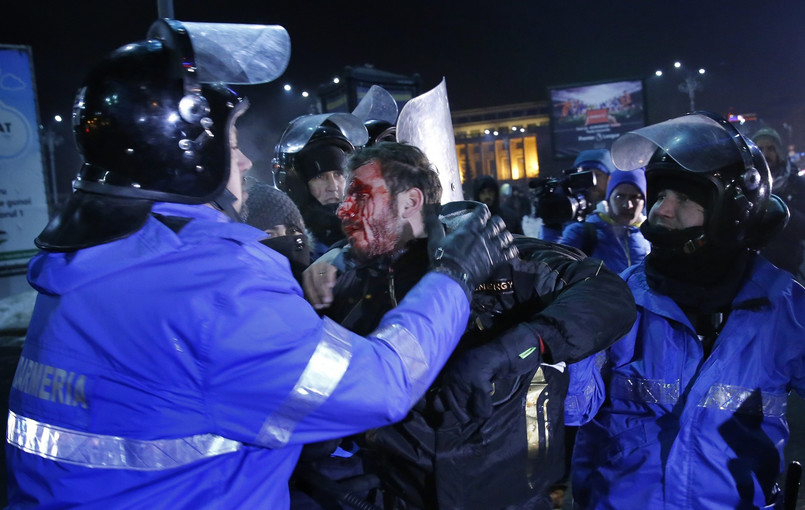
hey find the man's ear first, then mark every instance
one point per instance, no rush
(411, 202)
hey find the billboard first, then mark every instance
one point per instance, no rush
(592, 116)
(23, 198)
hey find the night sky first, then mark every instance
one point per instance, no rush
(491, 53)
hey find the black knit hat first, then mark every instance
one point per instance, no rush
(267, 207)
(321, 156)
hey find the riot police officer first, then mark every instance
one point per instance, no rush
(309, 162)
(689, 407)
(171, 358)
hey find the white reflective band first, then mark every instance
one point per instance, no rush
(403, 342)
(575, 404)
(745, 401)
(322, 374)
(651, 391)
(111, 452)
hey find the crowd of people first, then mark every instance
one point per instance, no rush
(341, 338)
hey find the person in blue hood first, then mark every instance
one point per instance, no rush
(614, 236)
(688, 410)
(171, 360)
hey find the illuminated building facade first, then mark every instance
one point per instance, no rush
(507, 142)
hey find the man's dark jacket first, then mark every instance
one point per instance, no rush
(433, 460)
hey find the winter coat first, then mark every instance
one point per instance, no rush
(186, 370)
(433, 460)
(680, 430)
(618, 246)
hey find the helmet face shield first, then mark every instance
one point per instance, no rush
(378, 104)
(728, 165)
(300, 131)
(696, 142)
(378, 110)
(239, 54)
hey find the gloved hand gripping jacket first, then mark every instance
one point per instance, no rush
(470, 253)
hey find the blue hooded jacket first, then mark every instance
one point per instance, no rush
(671, 428)
(185, 370)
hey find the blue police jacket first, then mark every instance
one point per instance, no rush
(617, 245)
(681, 430)
(185, 370)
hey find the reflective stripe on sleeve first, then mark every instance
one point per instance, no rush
(575, 404)
(744, 401)
(111, 452)
(403, 342)
(651, 391)
(322, 374)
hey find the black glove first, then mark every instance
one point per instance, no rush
(470, 253)
(468, 382)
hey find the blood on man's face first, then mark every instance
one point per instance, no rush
(368, 213)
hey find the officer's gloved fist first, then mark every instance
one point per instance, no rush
(470, 252)
(468, 382)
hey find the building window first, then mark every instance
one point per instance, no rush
(488, 163)
(502, 158)
(461, 154)
(531, 157)
(517, 158)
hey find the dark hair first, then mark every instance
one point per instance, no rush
(403, 167)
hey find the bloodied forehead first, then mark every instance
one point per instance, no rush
(367, 179)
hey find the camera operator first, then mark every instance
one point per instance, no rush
(559, 202)
(562, 201)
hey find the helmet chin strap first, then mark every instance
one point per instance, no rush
(225, 202)
(674, 242)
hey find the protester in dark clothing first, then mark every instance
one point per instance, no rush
(494, 417)
(787, 249)
(487, 191)
(518, 201)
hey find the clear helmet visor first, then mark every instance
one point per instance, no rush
(699, 142)
(301, 129)
(377, 104)
(237, 54)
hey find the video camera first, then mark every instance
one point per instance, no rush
(563, 199)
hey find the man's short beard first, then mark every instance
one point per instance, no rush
(386, 234)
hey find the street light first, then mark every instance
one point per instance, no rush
(52, 140)
(692, 82)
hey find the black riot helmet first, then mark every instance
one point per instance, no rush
(718, 167)
(315, 144)
(152, 124)
(141, 136)
(380, 131)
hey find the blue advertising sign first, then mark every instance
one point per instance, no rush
(23, 197)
